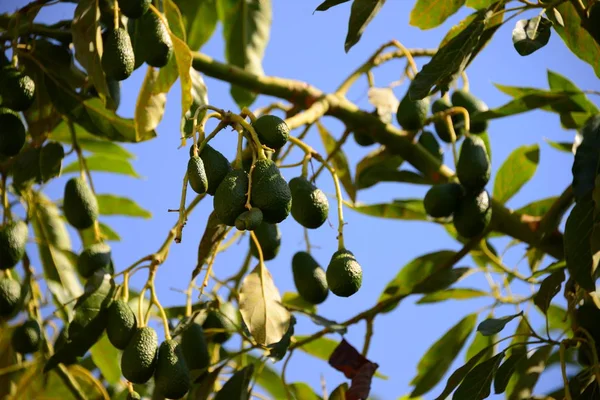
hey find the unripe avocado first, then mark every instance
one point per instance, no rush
(216, 167)
(94, 258)
(194, 348)
(430, 143)
(27, 337)
(138, 361)
(473, 168)
(134, 8)
(13, 238)
(249, 220)
(231, 195)
(310, 279)
(269, 238)
(219, 324)
(153, 40)
(310, 206)
(270, 192)
(121, 324)
(12, 133)
(362, 138)
(473, 105)
(473, 214)
(197, 175)
(411, 115)
(172, 377)
(118, 59)
(272, 131)
(17, 90)
(10, 294)
(344, 274)
(51, 156)
(79, 204)
(441, 128)
(442, 199)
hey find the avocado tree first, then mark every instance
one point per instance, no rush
(72, 326)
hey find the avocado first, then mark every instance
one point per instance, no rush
(197, 175)
(138, 361)
(151, 40)
(17, 90)
(216, 167)
(134, 8)
(430, 143)
(310, 279)
(441, 200)
(12, 133)
(249, 220)
(13, 238)
(195, 349)
(269, 238)
(473, 214)
(94, 258)
(441, 128)
(27, 337)
(121, 324)
(231, 195)
(26, 168)
(310, 206)
(473, 168)
(118, 59)
(79, 204)
(171, 377)
(51, 156)
(10, 294)
(473, 105)
(362, 138)
(344, 274)
(221, 323)
(270, 192)
(411, 115)
(272, 131)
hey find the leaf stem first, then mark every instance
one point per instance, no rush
(563, 370)
(181, 219)
(338, 146)
(368, 336)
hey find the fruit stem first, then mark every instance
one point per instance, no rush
(283, 371)
(237, 119)
(188, 297)
(211, 263)
(141, 319)
(237, 164)
(83, 168)
(248, 194)
(307, 240)
(563, 370)
(465, 80)
(258, 249)
(407, 54)
(452, 132)
(181, 219)
(154, 301)
(125, 292)
(205, 141)
(116, 15)
(301, 136)
(5, 204)
(246, 112)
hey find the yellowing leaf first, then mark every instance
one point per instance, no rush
(150, 106)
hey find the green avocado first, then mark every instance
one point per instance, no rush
(231, 195)
(151, 40)
(134, 8)
(442, 200)
(411, 115)
(272, 131)
(473, 214)
(430, 143)
(27, 337)
(344, 274)
(138, 361)
(17, 90)
(121, 324)
(473, 105)
(473, 168)
(269, 238)
(171, 377)
(441, 128)
(197, 175)
(118, 59)
(362, 138)
(216, 167)
(310, 206)
(195, 349)
(249, 220)
(10, 294)
(270, 192)
(13, 238)
(12, 133)
(51, 156)
(94, 258)
(221, 323)
(310, 279)
(79, 204)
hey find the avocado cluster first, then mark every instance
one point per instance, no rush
(459, 98)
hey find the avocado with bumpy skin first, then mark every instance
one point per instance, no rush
(441, 128)
(219, 324)
(310, 206)
(216, 167)
(270, 192)
(230, 198)
(430, 143)
(118, 59)
(94, 258)
(344, 274)
(27, 337)
(309, 278)
(138, 361)
(194, 348)
(269, 238)
(80, 205)
(121, 324)
(12, 133)
(197, 175)
(13, 238)
(411, 115)
(473, 105)
(134, 8)
(17, 90)
(249, 220)
(10, 294)
(473, 214)
(171, 377)
(155, 39)
(272, 131)
(473, 168)
(442, 200)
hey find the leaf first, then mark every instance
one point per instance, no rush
(479, 344)
(327, 4)
(91, 306)
(246, 31)
(577, 242)
(506, 371)
(213, 234)
(491, 326)
(515, 172)
(295, 302)
(267, 378)
(109, 204)
(458, 375)
(530, 35)
(479, 4)
(452, 294)
(379, 162)
(477, 383)
(150, 106)
(567, 147)
(438, 358)
(106, 358)
(558, 82)
(237, 386)
(199, 19)
(320, 348)
(361, 383)
(88, 235)
(102, 163)
(548, 289)
(339, 393)
(411, 210)
(361, 14)
(261, 309)
(345, 358)
(277, 351)
(528, 372)
(587, 159)
(301, 390)
(199, 98)
(339, 161)
(31, 386)
(428, 14)
(332, 325)
(538, 208)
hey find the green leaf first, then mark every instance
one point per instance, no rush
(200, 20)
(506, 371)
(302, 391)
(295, 302)
(150, 105)
(428, 14)
(320, 348)
(246, 30)
(109, 204)
(558, 82)
(530, 35)
(327, 4)
(558, 318)
(538, 208)
(106, 358)
(452, 294)
(479, 344)
(339, 161)
(458, 375)
(214, 233)
(477, 384)
(567, 147)
(237, 387)
(587, 159)
(267, 378)
(515, 172)
(548, 289)
(438, 358)
(577, 242)
(491, 326)
(361, 14)
(411, 209)
(339, 393)
(479, 4)
(528, 373)
(102, 163)
(91, 306)
(88, 236)
(375, 164)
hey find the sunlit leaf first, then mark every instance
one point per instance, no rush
(150, 106)
(428, 14)
(200, 20)
(491, 326)
(302, 390)
(578, 252)
(515, 172)
(109, 204)
(320, 348)
(400, 209)
(361, 14)
(106, 358)
(479, 344)
(452, 294)
(295, 301)
(530, 35)
(101, 163)
(527, 373)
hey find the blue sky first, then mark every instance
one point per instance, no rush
(309, 47)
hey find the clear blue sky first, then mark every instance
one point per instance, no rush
(309, 47)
